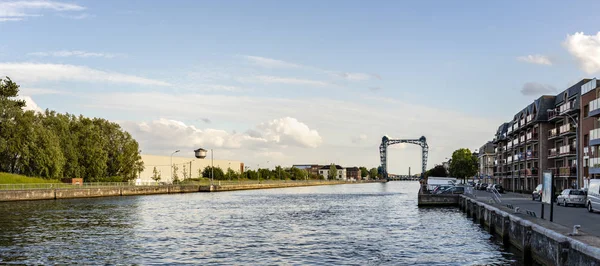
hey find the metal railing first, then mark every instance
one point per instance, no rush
(34, 186)
(496, 195)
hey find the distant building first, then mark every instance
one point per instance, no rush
(341, 172)
(311, 168)
(486, 163)
(353, 173)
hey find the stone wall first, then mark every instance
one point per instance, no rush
(545, 242)
(33, 194)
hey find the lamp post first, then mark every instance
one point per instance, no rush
(172, 168)
(576, 125)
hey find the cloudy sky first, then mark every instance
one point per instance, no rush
(282, 82)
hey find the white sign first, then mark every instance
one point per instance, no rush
(547, 188)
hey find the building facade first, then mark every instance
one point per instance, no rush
(353, 173)
(543, 137)
(341, 172)
(313, 169)
(486, 158)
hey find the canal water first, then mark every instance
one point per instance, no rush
(357, 224)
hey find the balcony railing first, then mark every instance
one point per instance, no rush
(532, 136)
(569, 106)
(522, 138)
(529, 172)
(586, 151)
(515, 142)
(510, 130)
(516, 157)
(509, 160)
(552, 114)
(566, 150)
(522, 122)
(567, 171)
(566, 129)
(532, 155)
(509, 146)
(594, 162)
(552, 152)
(594, 137)
(552, 133)
(529, 118)
(594, 108)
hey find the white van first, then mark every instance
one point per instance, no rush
(593, 195)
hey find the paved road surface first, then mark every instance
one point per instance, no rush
(566, 216)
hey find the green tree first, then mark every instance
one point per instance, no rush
(363, 172)
(297, 173)
(231, 174)
(437, 171)
(373, 173)
(332, 173)
(218, 173)
(185, 173)
(463, 164)
(175, 175)
(156, 175)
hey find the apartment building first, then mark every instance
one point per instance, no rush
(521, 147)
(543, 137)
(589, 131)
(341, 172)
(486, 158)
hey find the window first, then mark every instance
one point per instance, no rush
(586, 110)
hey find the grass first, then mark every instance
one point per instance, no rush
(6, 178)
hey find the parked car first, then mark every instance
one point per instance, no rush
(499, 188)
(593, 195)
(471, 183)
(571, 196)
(454, 190)
(440, 188)
(537, 193)
(483, 186)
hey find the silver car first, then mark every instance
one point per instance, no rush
(571, 197)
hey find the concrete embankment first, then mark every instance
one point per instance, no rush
(70, 193)
(540, 240)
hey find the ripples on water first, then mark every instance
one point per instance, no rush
(361, 224)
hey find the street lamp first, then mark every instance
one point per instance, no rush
(576, 125)
(173, 168)
(201, 154)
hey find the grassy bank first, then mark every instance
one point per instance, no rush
(6, 178)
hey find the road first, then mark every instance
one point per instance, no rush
(566, 216)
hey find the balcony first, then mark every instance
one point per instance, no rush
(522, 140)
(567, 108)
(566, 150)
(594, 108)
(567, 171)
(529, 172)
(509, 146)
(552, 153)
(594, 137)
(510, 130)
(529, 118)
(567, 129)
(509, 160)
(552, 134)
(586, 152)
(517, 157)
(532, 155)
(532, 136)
(553, 115)
(522, 122)
(594, 165)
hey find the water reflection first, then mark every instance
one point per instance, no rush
(345, 224)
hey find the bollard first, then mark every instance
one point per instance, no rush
(526, 243)
(505, 230)
(492, 219)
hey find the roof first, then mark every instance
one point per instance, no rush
(571, 92)
(326, 167)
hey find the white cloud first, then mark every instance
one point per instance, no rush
(337, 121)
(274, 63)
(20, 10)
(30, 104)
(269, 62)
(75, 53)
(164, 133)
(38, 91)
(33, 72)
(77, 17)
(586, 50)
(290, 131)
(283, 80)
(535, 59)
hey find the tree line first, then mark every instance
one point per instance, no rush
(55, 146)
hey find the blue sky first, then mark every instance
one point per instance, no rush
(298, 82)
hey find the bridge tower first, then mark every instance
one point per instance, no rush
(386, 141)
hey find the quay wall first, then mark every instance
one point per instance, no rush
(539, 240)
(70, 193)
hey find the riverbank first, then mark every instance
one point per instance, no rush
(540, 240)
(49, 193)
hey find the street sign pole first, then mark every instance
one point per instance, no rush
(551, 201)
